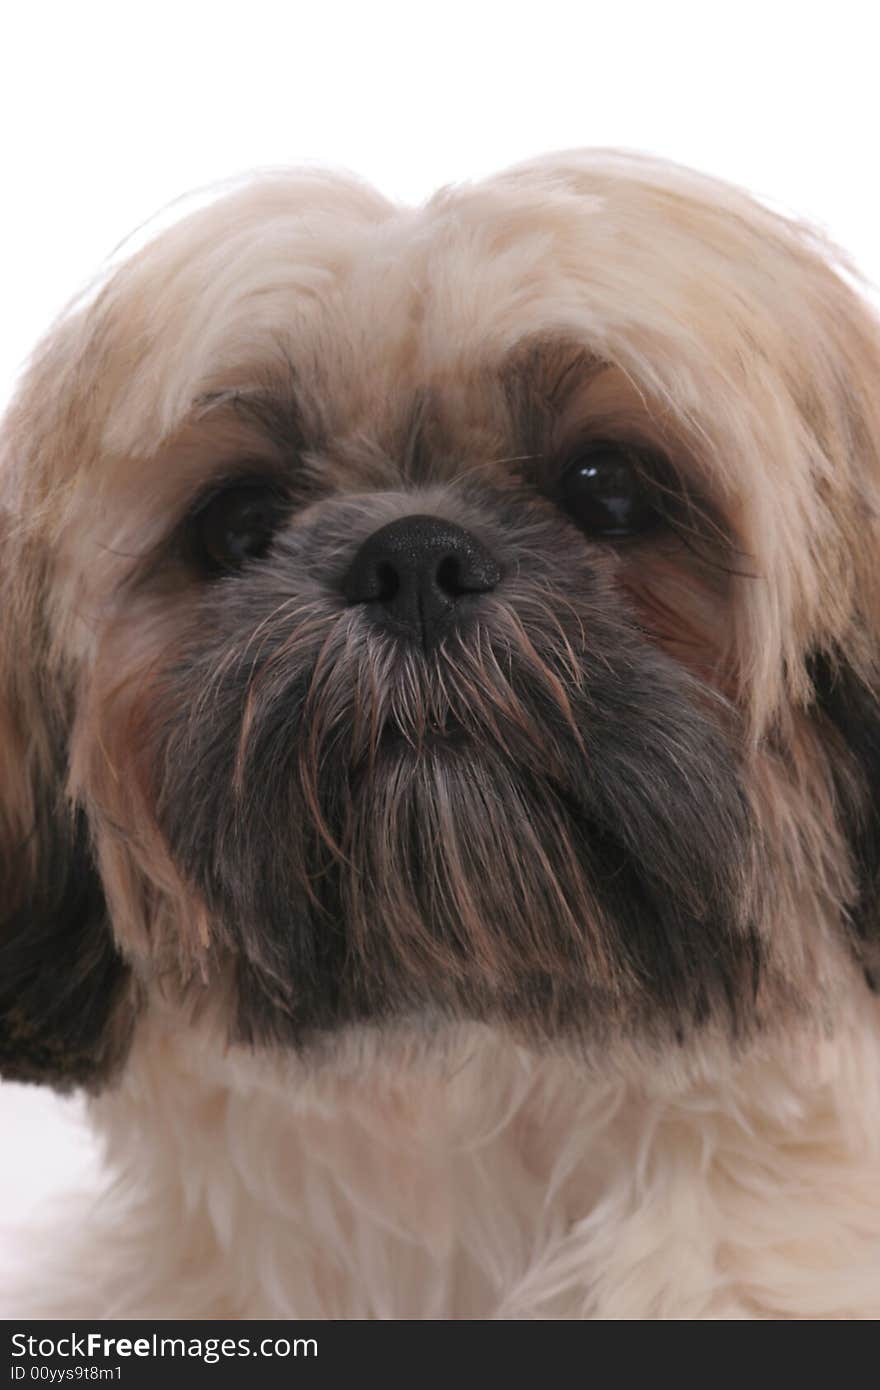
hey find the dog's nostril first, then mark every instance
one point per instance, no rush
(388, 582)
(416, 570)
(449, 577)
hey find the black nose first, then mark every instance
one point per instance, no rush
(416, 570)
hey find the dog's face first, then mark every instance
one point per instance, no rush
(462, 614)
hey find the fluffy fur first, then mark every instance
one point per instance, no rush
(524, 970)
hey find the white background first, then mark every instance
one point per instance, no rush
(109, 113)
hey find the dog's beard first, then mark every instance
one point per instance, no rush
(538, 821)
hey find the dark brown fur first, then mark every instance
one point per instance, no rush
(509, 827)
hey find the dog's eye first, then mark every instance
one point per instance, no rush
(605, 492)
(235, 525)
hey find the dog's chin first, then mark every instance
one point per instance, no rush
(448, 882)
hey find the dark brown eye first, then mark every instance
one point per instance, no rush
(604, 490)
(235, 524)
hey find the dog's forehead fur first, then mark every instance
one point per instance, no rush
(378, 301)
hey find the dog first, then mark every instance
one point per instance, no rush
(440, 735)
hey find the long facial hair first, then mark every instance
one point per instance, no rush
(506, 826)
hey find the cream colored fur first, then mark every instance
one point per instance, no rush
(482, 1182)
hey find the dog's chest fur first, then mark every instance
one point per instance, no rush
(493, 1185)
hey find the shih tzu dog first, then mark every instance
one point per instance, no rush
(440, 807)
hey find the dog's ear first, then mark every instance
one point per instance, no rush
(847, 708)
(65, 994)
